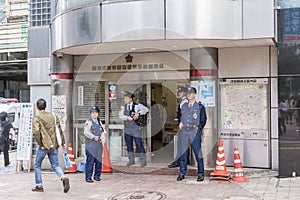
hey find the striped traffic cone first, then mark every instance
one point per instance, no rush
(106, 165)
(238, 168)
(220, 170)
(71, 157)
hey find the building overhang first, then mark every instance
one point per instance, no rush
(161, 45)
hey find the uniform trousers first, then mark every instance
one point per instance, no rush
(130, 134)
(93, 152)
(185, 139)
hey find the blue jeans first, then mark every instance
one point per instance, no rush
(186, 139)
(131, 134)
(53, 157)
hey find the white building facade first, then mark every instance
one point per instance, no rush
(225, 48)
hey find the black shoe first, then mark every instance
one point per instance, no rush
(97, 179)
(7, 164)
(200, 178)
(89, 181)
(143, 164)
(174, 164)
(66, 184)
(180, 178)
(130, 163)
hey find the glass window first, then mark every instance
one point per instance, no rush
(288, 3)
(39, 12)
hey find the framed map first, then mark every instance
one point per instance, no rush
(244, 104)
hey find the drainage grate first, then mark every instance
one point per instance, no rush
(145, 195)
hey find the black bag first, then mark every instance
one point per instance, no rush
(3, 139)
(142, 120)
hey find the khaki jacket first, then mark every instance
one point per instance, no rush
(43, 129)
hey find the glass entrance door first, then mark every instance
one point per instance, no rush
(116, 101)
(164, 124)
(161, 128)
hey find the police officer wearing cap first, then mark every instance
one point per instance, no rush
(130, 113)
(193, 119)
(94, 136)
(181, 93)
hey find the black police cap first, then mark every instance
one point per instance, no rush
(94, 109)
(181, 89)
(3, 116)
(128, 94)
(191, 90)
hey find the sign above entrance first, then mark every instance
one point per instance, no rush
(130, 67)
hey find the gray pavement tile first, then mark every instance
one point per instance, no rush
(294, 197)
(269, 198)
(282, 196)
(240, 198)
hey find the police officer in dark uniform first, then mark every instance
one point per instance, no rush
(94, 135)
(5, 128)
(181, 93)
(130, 113)
(193, 119)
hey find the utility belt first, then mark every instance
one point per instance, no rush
(88, 140)
(190, 127)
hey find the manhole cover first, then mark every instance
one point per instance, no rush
(145, 195)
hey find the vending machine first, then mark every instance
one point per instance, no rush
(244, 120)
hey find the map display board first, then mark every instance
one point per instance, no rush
(244, 107)
(25, 132)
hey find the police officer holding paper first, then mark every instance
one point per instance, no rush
(193, 120)
(94, 136)
(130, 113)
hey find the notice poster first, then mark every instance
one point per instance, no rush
(291, 24)
(206, 91)
(112, 91)
(59, 108)
(25, 132)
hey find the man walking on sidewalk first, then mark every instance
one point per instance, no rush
(44, 132)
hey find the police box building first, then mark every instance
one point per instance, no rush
(94, 51)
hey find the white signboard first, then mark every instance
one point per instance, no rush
(205, 92)
(59, 107)
(80, 96)
(25, 132)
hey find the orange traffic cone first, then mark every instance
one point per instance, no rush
(106, 166)
(71, 157)
(220, 170)
(238, 168)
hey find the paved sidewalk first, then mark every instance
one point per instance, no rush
(120, 186)
(263, 184)
(270, 188)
